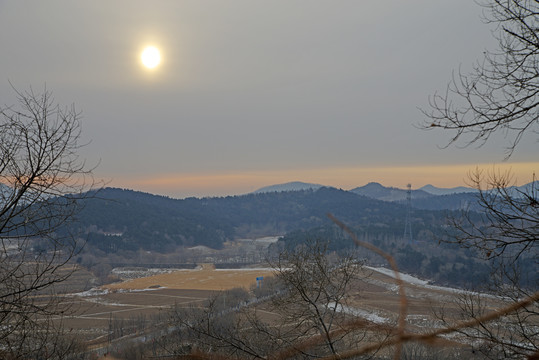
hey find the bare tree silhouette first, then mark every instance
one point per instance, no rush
(42, 180)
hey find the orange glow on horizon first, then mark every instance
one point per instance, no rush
(232, 183)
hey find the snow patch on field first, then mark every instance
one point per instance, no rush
(263, 240)
(404, 277)
(370, 316)
(409, 279)
(137, 273)
(138, 290)
(365, 314)
(265, 269)
(92, 292)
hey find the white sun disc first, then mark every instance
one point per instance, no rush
(150, 57)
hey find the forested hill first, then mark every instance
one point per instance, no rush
(119, 219)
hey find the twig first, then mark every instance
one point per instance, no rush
(403, 300)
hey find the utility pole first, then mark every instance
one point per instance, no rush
(408, 220)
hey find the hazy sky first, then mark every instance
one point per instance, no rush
(253, 93)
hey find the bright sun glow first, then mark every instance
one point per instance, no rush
(150, 57)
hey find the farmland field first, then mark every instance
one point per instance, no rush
(204, 278)
(135, 304)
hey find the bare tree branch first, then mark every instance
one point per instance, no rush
(501, 92)
(42, 180)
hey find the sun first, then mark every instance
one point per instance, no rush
(150, 57)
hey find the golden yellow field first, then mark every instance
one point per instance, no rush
(205, 278)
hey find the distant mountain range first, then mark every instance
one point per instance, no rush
(373, 190)
(289, 186)
(117, 219)
(428, 197)
(441, 191)
(377, 191)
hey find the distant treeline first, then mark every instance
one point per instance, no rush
(119, 220)
(157, 223)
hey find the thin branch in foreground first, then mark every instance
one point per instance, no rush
(431, 337)
(402, 294)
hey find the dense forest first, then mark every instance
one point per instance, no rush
(116, 222)
(116, 219)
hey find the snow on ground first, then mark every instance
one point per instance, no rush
(91, 292)
(404, 277)
(365, 314)
(265, 269)
(201, 248)
(409, 279)
(262, 240)
(100, 291)
(130, 273)
(268, 239)
(133, 273)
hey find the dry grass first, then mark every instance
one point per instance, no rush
(206, 278)
(376, 293)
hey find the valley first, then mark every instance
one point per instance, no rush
(112, 316)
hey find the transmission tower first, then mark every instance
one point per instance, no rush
(408, 221)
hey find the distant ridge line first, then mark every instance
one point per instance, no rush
(289, 186)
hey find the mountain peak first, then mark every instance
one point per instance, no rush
(378, 191)
(289, 186)
(445, 191)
